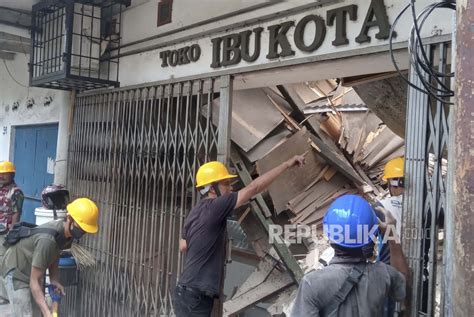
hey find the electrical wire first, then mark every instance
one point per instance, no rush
(11, 76)
(433, 82)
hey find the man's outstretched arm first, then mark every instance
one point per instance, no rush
(262, 182)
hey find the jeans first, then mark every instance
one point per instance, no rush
(191, 303)
(389, 307)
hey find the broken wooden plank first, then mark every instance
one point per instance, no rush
(364, 79)
(375, 189)
(253, 115)
(265, 281)
(281, 248)
(292, 181)
(329, 173)
(357, 127)
(265, 146)
(281, 300)
(256, 234)
(338, 161)
(285, 115)
(384, 144)
(332, 125)
(319, 193)
(241, 218)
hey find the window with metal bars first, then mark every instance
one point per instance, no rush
(75, 44)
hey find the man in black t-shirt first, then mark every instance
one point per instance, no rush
(203, 237)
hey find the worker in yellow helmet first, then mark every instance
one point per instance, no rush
(203, 236)
(394, 176)
(29, 256)
(11, 205)
(11, 196)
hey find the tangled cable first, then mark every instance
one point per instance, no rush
(419, 59)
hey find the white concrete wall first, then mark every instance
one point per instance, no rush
(140, 19)
(19, 4)
(146, 66)
(15, 95)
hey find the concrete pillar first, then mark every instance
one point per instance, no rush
(225, 119)
(60, 168)
(463, 187)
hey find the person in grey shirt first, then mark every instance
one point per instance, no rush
(321, 293)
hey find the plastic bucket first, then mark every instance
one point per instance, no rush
(44, 215)
(67, 271)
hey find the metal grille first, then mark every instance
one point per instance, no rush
(136, 153)
(425, 194)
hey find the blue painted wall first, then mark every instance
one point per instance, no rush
(33, 146)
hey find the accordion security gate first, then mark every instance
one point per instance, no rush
(136, 152)
(425, 199)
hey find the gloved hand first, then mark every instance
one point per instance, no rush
(54, 292)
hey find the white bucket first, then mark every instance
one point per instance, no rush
(44, 215)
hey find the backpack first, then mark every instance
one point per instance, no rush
(23, 230)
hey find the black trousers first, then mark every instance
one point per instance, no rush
(191, 303)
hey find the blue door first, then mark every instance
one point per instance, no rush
(34, 157)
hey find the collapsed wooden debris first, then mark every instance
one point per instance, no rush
(347, 147)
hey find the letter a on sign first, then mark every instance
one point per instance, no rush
(377, 11)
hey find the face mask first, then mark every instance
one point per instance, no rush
(63, 242)
(77, 232)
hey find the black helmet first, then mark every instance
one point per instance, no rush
(55, 197)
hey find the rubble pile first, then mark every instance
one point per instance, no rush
(347, 147)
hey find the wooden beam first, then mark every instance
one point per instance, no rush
(265, 281)
(7, 55)
(258, 205)
(15, 17)
(364, 79)
(14, 47)
(340, 163)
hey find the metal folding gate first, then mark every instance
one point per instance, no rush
(135, 152)
(425, 199)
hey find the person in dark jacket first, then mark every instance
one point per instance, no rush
(203, 237)
(351, 285)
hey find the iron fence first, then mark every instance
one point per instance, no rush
(136, 152)
(427, 131)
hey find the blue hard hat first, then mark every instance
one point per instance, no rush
(351, 222)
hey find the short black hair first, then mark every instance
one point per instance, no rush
(366, 251)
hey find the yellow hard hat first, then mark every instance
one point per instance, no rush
(212, 172)
(394, 169)
(7, 167)
(85, 212)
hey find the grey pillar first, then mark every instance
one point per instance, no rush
(60, 168)
(225, 119)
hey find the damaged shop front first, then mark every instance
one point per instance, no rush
(316, 78)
